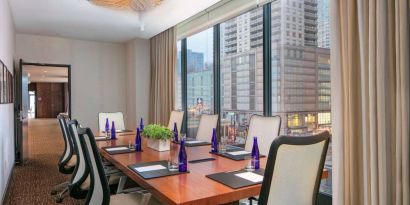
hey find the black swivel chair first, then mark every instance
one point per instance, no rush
(99, 192)
(68, 159)
(294, 169)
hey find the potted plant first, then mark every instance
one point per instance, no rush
(158, 137)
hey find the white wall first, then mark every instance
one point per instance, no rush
(98, 72)
(6, 110)
(138, 81)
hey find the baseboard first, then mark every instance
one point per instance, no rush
(7, 190)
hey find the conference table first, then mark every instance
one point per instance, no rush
(188, 188)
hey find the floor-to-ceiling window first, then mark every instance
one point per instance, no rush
(297, 86)
(200, 95)
(241, 51)
(300, 36)
(178, 81)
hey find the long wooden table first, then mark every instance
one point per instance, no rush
(191, 188)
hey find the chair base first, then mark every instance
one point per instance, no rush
(58, 188)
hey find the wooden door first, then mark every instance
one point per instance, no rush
(49, 99)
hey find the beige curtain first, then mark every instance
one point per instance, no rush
(163, 62)
(370, 101)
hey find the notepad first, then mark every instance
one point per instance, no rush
(116, 149)
(250, 176)
(239, 153)
(194, 142)
(149, 168)
(100, 138)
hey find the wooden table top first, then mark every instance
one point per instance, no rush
(191, 188)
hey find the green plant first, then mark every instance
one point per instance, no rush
(157, 132)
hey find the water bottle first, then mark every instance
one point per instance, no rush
(113, 131)
(175, 132)
(214, 142)
(107, 126)
(182, 158)
(138, 141)
(141, 124)
(255, 154)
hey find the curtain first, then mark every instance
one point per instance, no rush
(370, 101)
(163, 62)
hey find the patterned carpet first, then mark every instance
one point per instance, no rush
(31, 183)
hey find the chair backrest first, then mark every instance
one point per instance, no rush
(176, 117)
(99, 192)
(68, 147)
(293, 170)
(206, 124)
(266, 129)
(81, 171)
(117, 117)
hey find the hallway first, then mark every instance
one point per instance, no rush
(31, 183)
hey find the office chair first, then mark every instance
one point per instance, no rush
(68, 159)
(293, 171)
(99, 193)
(117, 117)
(206, 124)
(266, 129)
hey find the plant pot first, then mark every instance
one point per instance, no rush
(159, 145)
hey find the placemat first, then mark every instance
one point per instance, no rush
(122, 149)
(103, 138)
(238, 157)
(195, 143)
(150, 170)
(231, 179)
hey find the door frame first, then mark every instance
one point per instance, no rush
(68, 66)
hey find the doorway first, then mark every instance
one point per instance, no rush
(43, 91)
(48, 90)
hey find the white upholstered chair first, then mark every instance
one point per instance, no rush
(206, 124)
(117, 117)
(266, 129)
(294, 169)
(176, 117)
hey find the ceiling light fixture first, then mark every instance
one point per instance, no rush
(136, 5)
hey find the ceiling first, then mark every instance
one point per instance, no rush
(46, 74)
(80, 19)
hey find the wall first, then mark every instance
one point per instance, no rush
(6, 110)
(138, 81)
(98, 72)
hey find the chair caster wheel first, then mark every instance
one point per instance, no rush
(58, 200)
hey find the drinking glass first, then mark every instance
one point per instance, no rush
(107, 135)
(222, 144)
(249, 165)
(173, 158)
(131, 145)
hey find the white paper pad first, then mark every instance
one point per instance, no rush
(100, 138)
(117, 149)
(194, 142)
(150, 168)
(239, 152)
(250, 176)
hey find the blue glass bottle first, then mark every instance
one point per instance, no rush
(113, 131)
(141, 124)
(138, 141)
(214, 142)
(107, 126)
(182, 157)
(255, 154)
(175, 132)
